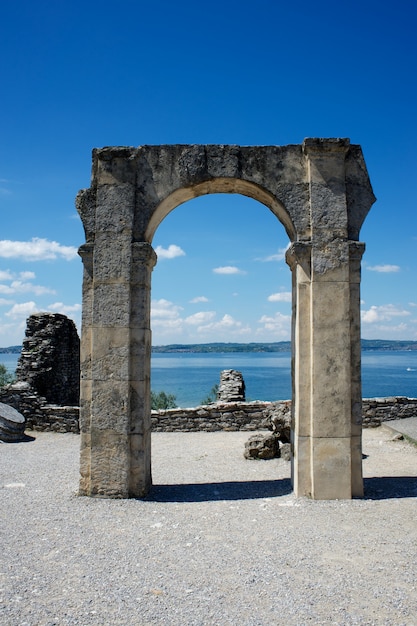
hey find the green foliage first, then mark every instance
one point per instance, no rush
(5, 377)
(212, 396)
(162, 400)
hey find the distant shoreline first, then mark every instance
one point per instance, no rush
(280, 346)
(380, 345)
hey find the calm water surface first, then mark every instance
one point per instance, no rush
(190, 377)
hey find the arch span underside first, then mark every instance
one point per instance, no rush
(321, 193)
(219, 185)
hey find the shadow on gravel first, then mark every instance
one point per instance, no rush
(21, 439)
(387, 487)
(206, 492)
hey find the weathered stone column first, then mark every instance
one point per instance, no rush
(325, 437)
(143, 261)
(298, 258)
(86, 254)
(356, 250)
(116, 294)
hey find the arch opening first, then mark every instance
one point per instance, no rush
(223, 186)
(192, 304)
(222, 278)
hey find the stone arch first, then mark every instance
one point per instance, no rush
(220, 185)
(321, 193)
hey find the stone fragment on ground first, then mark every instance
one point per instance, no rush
(262, 446)
(12, 424)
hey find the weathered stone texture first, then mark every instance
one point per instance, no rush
(226, 416)
(50, 358)
(38, 413)
(232, 386)
(262, 446)
(320, 192)
(243, 416)
(12, 424)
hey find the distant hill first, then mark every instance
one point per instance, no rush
(380, 345)
(11, 350)
(384, 344)
(280, 346)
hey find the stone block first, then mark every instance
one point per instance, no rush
(110, 406)
(110, 464)
(117, 208)
(112, 257)
(331, 468)
(111, 305)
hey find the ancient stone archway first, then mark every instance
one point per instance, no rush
(321, 193)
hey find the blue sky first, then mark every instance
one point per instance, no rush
(78, 75)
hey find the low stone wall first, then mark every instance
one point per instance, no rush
(227, 416)
(256, 415)
(378, 410)
(230, 416)
(38, 413)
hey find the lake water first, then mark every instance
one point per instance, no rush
(190, 377)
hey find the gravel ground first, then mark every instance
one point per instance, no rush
(221, 540)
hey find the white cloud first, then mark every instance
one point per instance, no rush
(278, 256)
(390, 331)
(22, 310)
(283, 296)
(164, 309)
(4, 302)
(65, 309)
(18, 286)
(383, 313)
(27, 275)
(36, 250)
(199, 299)
(12, 330)
(277, 326)
(166, 320)
(6, 275)
(171, 252)
(384, 269)
(228, 325)
(198, 319)
(228, 269)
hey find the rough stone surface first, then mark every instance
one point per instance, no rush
(279, 415)
(320, 192)
(12, 424)
(38, 413)
(285, 451)
(226, 416)
(232, 386)
(50, 358)
(237, 416)
(262, 446)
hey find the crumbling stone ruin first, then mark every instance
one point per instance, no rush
(232, 387)
(50, 358)
(275, 444)
(321, 193)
